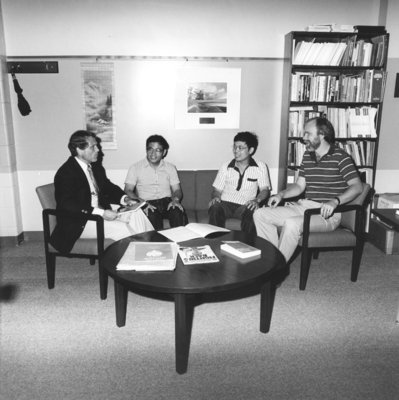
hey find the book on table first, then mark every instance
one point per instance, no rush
(240, 249)
(149, 256)
(197, 255)
(191, 231)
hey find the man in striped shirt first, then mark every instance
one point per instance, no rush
(327, 177)
(240, 186)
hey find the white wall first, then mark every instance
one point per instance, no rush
(170, 27)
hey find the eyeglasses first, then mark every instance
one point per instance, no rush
(151, 150)
(239, 148)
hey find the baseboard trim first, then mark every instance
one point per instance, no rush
(22, 237)
(12, 240)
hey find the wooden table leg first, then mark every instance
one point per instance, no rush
(120, 303)
(183, 324)
(267, 295)
(103, 281)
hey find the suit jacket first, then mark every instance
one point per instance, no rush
(72, 194)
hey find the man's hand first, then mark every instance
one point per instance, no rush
(275, 200)
(110, 215)
(214, 201)
(252, 204)
(327, 208)
(149, 208)
(175, 203)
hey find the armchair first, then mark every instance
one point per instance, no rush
(349, 235)
(83, 248)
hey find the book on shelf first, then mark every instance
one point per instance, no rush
(240, 249)
(197, 255)
(125, 213)
(192, 230)
(361, 122)
(149, 256)
(380, 48)
(319, 28)
(367, 175)
(377, 86)
(361, 151)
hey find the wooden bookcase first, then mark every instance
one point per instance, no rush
(340, 75)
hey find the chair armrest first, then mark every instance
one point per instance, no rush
(80, 216)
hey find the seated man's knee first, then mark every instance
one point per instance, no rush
(292, 225)
(156, 219)
(260, 215)
(177, 217)
(216, 207)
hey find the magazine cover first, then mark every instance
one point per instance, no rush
(197, 255)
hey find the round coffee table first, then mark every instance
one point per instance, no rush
(186, 283)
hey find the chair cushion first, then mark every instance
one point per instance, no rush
(338, 238)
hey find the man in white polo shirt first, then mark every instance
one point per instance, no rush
(241, 186)
(155, 181)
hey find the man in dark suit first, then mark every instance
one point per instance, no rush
(82, 187)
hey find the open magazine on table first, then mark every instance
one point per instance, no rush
(191, 231)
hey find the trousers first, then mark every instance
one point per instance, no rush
(219, 212)
(175, 216)
(117, 230)
(283, 225)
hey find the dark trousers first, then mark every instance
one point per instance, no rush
(175, 216)
(219, 212)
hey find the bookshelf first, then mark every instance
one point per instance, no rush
(340, 75)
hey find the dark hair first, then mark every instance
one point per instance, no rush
(158, 139)
(249, 138)
(78, 139)
(324, 127)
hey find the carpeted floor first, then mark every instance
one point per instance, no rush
(336, 340)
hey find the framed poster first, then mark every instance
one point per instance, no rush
(98, 101)
(208, 98)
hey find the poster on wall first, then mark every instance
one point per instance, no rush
(208, 98)
(98, 101)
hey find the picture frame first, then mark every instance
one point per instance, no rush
(208, 98)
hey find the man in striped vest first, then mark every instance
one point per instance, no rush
(327, 178)
(241, 185)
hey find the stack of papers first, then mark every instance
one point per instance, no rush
(149, 256)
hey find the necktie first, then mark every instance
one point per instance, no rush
(92, 178)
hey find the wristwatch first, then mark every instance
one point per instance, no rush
(337, 198)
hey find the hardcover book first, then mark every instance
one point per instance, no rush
(240, 249)
(149, 256)
(197, 255)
